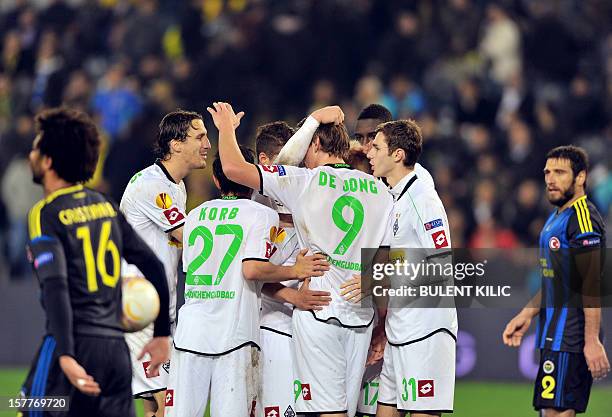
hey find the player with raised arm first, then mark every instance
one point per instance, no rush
(154, 204)
(278, 299)
(572, 246)
(336, 211)
(227, 246)
(418, 374)
(77, 238)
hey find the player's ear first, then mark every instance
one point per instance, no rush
(399, 155)
(216, 181)
(581, 178)
(176, 146)
(263, 158)
(316, 143)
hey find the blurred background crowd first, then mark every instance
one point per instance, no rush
(494, 86)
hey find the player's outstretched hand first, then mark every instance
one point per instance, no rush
(516, 329)
(351, 289)
(78, 377)
(329, 114)
(310, 266)
(308, 299)
(223, 115)
(159, 351)
(596, 359)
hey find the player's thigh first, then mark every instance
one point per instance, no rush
(188, 385)
(425, 375)
(356, 345)
(277, 393)
(320, 365)
(550, 412)
(563, 382)
(235, 384)
(144, 384)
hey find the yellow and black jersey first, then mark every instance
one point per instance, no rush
(77, 238)
(566, 234)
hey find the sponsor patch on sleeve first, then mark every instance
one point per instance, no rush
(440, 240)
(173, 215)
(278, 169)
(42, 259)
(434, 224)
(593, 241)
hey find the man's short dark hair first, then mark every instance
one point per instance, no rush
(334, 139)
(376, 112)
(226, 185)
(271, 137)
(70, 138)
(406, 135)
(174, 125)
(577, 156)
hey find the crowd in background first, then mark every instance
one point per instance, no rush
(494, 86)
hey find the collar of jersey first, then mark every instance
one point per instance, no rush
(234, 197)
(62, 191)
(164, 170)
(401, 187)
(341, 165)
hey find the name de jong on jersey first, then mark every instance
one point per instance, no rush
(336, 211)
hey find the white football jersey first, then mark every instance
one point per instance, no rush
(420, 229)
(221, 310)
(336, 211)
(154, 205)
(274, 314)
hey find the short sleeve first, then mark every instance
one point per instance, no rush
(284, 183)
(261, 236)
(585, 228)
(158, 203)
(432, 225)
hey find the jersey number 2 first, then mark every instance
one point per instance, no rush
(207, 236)
(105, 245)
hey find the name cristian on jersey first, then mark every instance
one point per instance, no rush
(86, 213)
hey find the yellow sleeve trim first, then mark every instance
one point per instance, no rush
(583, 215)
(34, 226)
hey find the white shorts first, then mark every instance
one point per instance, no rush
(420, 376)
(231, 381)
(277, 394)
(368, 397)
(329, 363)
(143, 385)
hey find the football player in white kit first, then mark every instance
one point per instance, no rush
(418, 375)
(278, 299)
(227, 243)
(154, 204)
(336, 211)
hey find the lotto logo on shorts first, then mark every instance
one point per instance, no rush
(440, 240)
(145, 365)
(272, 411)
(306, 395)
(426, 388)
(169, 397)
(173, 215)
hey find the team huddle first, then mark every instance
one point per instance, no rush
(275, 320)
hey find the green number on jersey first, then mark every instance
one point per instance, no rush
(351, 229)
(207, 236)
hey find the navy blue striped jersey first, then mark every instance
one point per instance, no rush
(575, 229)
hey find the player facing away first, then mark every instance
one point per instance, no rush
(278, 299)
(572, 246)
(154, 204)
(418, 374)
(77, 238)
(227, 244)
(336, 212)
